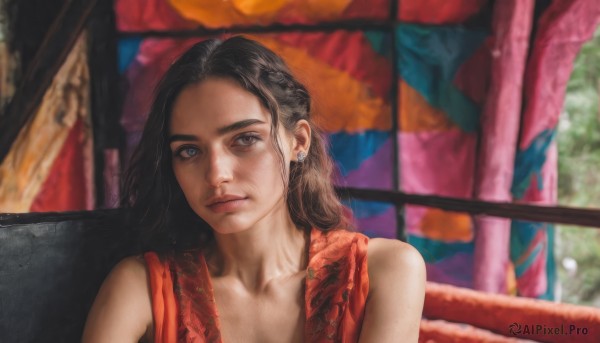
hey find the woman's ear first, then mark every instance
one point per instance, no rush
(301, 139)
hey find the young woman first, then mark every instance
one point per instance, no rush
(246, 239)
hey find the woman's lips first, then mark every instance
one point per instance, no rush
(227, 206)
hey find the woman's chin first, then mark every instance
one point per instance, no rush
(228, 231)
(226, 227)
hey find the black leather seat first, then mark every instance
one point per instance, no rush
(51, 267)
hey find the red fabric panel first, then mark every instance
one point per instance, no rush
(500, 123)
(473, 78)
(65, 188)
(372, 9)
(438, 11)
(347, 51)
(141, 15)
(295, 13)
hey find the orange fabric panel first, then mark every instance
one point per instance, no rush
(447, 226)
(511, 280)
(416, 114)
(209, 13)
(164, 306)
(215, 13)
(355, 108)
(348, 51)
(323, 10)
(257, 8)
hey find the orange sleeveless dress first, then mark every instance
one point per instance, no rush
(336, 289)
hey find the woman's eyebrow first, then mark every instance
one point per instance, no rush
(186, 138)
(238, 126)
(221, 131)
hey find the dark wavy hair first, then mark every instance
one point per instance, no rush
(159, 212)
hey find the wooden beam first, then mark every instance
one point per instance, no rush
(51, 54)
(534, 213)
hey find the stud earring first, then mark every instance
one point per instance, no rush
(301, 156)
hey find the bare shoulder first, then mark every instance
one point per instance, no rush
(122, 310)
(391, 255)
(397, 280)
(132, 268)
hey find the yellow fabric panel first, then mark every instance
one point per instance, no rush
(447, 226)
(416, 114)
(340, 102)
(32, 155)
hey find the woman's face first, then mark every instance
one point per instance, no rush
(223, 156)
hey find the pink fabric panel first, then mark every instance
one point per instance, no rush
(413, 215)
(500, 123)
(563, 28)
(437, 162)
(491, 259)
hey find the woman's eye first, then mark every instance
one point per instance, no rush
(247, 140)
(187, 152)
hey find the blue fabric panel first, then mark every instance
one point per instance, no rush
(128, 48)
(550, 266)
(364, 209)
(429, 58)
(529, 162)
(434, 250)
(350, 150)
(380, 42)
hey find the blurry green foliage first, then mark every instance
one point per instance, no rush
(579, 176)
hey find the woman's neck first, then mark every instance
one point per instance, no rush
(272, 249)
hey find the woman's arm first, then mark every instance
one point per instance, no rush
(396, 293)
(122, 311)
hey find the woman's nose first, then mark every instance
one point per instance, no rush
(218, 169)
